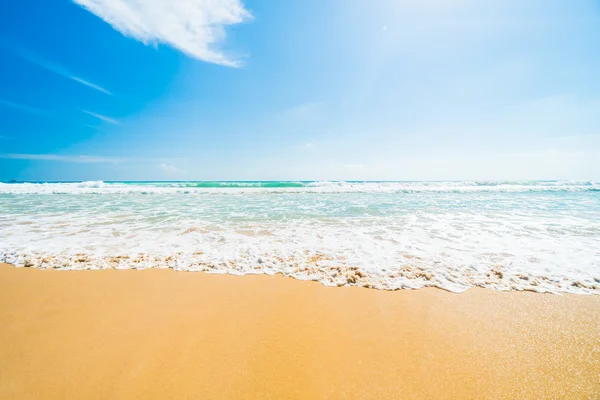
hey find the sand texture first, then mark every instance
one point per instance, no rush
(161, 334)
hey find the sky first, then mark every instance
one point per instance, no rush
(299, 90)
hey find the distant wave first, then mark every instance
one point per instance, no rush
(236, 187)
(219, 184)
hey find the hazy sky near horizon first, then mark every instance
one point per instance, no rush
(338, 89)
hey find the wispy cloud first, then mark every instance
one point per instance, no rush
(169, 168)
(50, 66)
(308, 110)
(563, 114)
(93, 86)
(26, 108)
(194, 27)
(84, 159)
(584, 136)
(48, 114)
(164, 164)
(101, 117)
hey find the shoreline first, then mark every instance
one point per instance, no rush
(309, 267)
(157, 333)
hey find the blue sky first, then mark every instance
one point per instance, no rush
(223, 89)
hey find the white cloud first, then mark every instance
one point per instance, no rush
(169, 168)
(309, 144)
(308, 110)
(83, 159)
(194, 27)
(101, 117)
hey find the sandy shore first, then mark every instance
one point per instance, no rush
(164, 334)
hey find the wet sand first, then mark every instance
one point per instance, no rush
(161, 334)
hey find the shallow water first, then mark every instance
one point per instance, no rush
(541, 236)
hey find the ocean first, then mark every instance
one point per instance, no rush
(542, 236)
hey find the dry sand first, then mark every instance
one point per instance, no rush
(160, 334)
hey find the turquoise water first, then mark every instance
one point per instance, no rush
(217, 184)
(542, 236)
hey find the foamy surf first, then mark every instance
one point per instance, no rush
(324, 187)
(538, 236)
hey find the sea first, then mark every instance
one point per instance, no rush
(541, 236)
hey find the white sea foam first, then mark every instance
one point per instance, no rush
(540, 236)
(99, 187)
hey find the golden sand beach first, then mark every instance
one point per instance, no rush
(161, 334)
